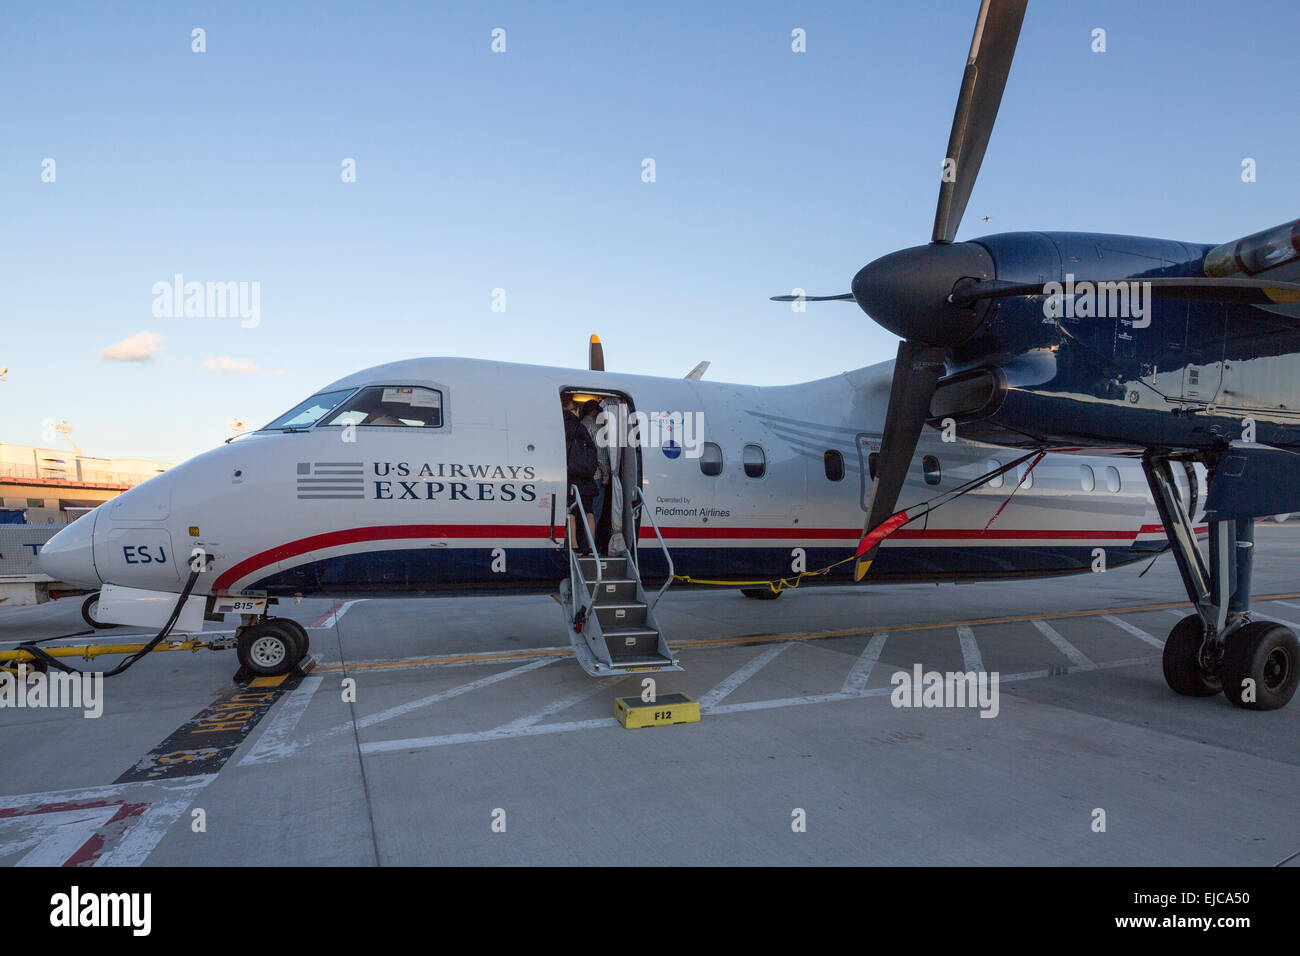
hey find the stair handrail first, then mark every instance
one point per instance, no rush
(575, 566)
(668, 555)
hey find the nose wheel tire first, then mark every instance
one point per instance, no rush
(88, 609)
(299, 633)
(1182, 660)
(1261, 666)
(268, 649)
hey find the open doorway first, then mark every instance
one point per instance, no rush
(607, 489)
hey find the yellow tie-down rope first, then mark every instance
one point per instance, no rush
(892, 524)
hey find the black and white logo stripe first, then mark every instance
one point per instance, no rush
(330, 479)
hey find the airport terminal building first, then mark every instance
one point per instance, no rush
(54, 486)
(41, 490)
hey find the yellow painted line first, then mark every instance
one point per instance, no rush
(268, 681)
(493, 656)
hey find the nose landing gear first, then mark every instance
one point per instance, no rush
(272, 646)
(89, 608)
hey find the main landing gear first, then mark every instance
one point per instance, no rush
(1255, 663)
(270, 646)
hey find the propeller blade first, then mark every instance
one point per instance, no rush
(1247, 291)
(994, 44)
(846, 297)
(595, 355)
(916, 373)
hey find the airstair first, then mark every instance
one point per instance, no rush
(611, 619)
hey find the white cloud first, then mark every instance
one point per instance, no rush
(233, 366)
(141, 347)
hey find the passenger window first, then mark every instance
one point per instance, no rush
(833, 462)
(933, 473)
(711, 460)
(997, 480)
(755, 461)
(409, 406)
(1112, 479)
(1087, 478)
(872, 458)
(1026, 477)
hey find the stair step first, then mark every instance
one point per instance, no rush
(620, 616)
(642, 660)
(614, 591)
(624, 642)
(610, 567)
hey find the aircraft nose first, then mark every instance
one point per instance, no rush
(70, 555)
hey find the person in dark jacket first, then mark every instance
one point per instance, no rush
(586, 484)
(592, 421)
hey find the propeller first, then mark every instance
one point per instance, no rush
(843, 297)
(991, 48)
(917, 293)
(912, 293)
(595, 354)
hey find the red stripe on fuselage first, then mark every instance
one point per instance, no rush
(332, 539)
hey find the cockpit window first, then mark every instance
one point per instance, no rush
(410, 406)
(308, 413)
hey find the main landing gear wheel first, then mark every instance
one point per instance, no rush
(88, 609)
(268, 649)
(1265, 656)
(1182, 660)
(760, 594)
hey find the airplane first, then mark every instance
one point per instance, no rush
(448, 476)
(1181, 352)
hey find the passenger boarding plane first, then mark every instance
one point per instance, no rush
(448, 476)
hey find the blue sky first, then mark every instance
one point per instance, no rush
(522, 171)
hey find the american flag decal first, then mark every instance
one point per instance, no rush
(330, 479)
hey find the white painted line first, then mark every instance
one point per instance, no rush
(727, 685)
(1288, 604)
(139, 841)
(337, 614)
(564, 703)
(970, 651)
(861, 670)
(506, 732)
(421, 743)
(378, 718)
(275, 737)
(333, 609)
(168, 799)
(51, 838)
(1076, 656)
(1137, 632)
(286, 748)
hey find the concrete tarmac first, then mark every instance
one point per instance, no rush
(461, 731)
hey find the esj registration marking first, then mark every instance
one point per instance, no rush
(234, 604)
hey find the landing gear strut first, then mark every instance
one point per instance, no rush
(1255, 663)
